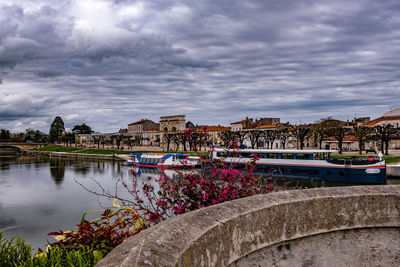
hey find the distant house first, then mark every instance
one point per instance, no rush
(391, 117)
(214, 133)
(239, 125)
(140, 131)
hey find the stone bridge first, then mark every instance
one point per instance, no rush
(337, 226)
(20, 146)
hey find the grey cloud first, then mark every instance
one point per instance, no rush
(216, 61)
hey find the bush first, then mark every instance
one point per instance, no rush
(163, 198)
(15, 252)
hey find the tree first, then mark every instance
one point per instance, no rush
(254, 136)
(227, 137)
(301, 133)
(5, 134)
(320, 131)
(339, 133)
(240, 136)
(361, 134)
(385, 133)
(283, 135)
(182, 139)
(269, 137)
(56, 129)
(168, 137)
(176, 140)
(82, 129)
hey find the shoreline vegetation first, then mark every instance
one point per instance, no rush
(94, 151)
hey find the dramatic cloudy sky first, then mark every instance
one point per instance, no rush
(110, 63)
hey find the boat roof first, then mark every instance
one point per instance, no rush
(291, 151)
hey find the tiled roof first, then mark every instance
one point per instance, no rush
(378, 120)
(241, 122)
(267, 126)
(214, 129)
(138, 122)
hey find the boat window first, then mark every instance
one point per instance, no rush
(302, 156)
(272, 155)
(286, 156)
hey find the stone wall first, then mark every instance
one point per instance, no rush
(342, 226)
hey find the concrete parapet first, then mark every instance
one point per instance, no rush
(393, 171)
(314, 227)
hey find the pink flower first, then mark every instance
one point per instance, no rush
(270, 187)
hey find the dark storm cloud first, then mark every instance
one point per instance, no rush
(109, 63)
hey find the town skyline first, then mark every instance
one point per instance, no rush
(109, 63)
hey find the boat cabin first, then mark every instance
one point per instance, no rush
(273, 154)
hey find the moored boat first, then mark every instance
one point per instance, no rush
(166, 160)
(305, 164)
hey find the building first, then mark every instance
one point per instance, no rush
(214, 134)
(239, 125)
(141, 131)
(391, 117)
(171, 125)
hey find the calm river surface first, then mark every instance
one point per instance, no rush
(39, 195)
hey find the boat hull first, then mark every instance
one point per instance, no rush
(343, 174)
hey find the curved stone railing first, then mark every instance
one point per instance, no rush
(311, 227)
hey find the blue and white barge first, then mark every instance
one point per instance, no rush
(305, 164)
(163, 160)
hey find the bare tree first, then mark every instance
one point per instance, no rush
(254, 136)
(240, 136)
(182, 140)
(175, 138)
(301, 133)
(269, 137)
(227, 137)
(361, 133)
(283, 135)
(168, 137)
(320, 132)
(385, 133)
(339, 134)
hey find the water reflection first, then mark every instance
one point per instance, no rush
(57, 170)
(39, 195)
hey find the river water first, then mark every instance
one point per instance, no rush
(39, 195)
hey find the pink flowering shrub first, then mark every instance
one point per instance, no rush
(162, 198)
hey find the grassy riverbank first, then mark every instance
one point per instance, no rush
(94, 151)
(389, 159)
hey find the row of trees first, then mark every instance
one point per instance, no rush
(190, 138)
(317, 132)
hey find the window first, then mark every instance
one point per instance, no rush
(272, 155)
(286, 156)
(302, 156)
